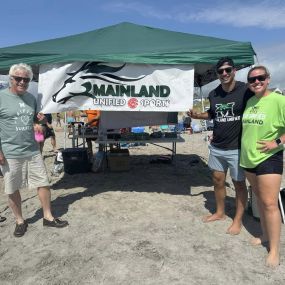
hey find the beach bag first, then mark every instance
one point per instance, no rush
(39, 137)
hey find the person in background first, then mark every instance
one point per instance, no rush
(83, 117)
(20, 158)
(263, 138)
(187, 123)
(58, 120)
(70, 117)
(48, 132)
(93, 119)
(227, 103)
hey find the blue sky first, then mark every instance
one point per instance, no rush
(260, 22)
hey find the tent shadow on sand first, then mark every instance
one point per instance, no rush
(188, 171)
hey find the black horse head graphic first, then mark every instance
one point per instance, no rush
(90, 71)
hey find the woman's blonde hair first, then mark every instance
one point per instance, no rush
(267, 73)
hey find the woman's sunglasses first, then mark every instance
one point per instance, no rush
(258, 77)
(228, 70)
(19, 79)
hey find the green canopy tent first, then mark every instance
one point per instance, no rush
(130, 43)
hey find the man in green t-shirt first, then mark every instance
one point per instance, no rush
(20, 160)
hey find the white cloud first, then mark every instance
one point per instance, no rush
(264, 14)
(137, 7)
(273, 58)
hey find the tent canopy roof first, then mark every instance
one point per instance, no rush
(131, 43)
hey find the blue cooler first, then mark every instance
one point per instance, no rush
(138, 130)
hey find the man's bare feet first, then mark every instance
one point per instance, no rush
(258, 240)
(272, 260)
(213, 218)
(234, 229)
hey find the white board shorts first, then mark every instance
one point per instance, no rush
(24, 172)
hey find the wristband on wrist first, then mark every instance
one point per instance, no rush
(278, 141)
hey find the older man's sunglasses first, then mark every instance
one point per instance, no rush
(258, 77)
(228, 70)
(19, 79)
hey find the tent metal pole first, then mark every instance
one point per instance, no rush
(202, 100)
(65, 126)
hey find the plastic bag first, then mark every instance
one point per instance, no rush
(98, 161)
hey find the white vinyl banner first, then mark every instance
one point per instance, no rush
(115, 87)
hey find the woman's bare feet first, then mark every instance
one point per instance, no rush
(258, 240)
(272, 260)
(212, 218)
(234, 229)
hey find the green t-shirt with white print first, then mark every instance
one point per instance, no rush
(17, 114)
(263, 119)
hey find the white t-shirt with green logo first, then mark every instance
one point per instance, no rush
(263, 119)
(16, 125)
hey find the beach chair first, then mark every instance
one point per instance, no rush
(254, 208)
(280, 202)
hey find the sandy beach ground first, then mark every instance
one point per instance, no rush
(142, 226)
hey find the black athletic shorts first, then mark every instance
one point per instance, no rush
(48, 132)
(272, 165)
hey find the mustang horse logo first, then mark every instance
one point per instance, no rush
(225, 110)
(90, 71)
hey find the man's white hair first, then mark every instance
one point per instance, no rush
(21, 66)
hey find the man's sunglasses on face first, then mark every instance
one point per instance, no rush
(228, 70)
(19, 79)
(258, 77)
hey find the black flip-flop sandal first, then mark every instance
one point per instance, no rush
(2, 219)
